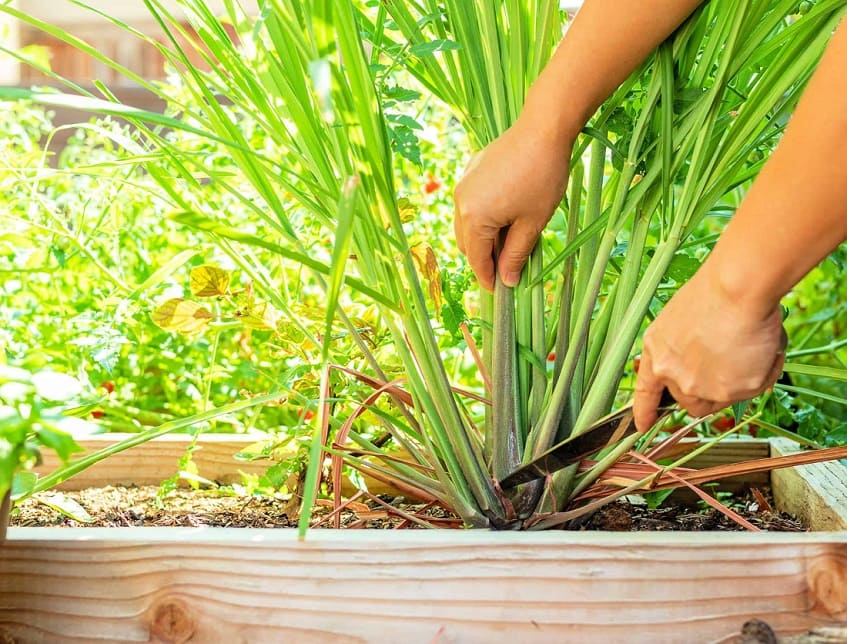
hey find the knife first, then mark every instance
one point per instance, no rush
(602, 433)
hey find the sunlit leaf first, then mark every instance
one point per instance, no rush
(23, 482)
(66, 506)
(14, 374)
(262, 316)
(182, 316)
(61, 442)
(428, 48)
(425, 259)
(163, 272)
(408, 210)
(682, 267)
(209, 281)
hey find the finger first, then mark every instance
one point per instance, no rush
(519, 242)
(699, 407)
(479, 251)
(648, 394)
(458, 229)
(776, 370)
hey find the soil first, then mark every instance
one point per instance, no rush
(142, 506)
(622, 516)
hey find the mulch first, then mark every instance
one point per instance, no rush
(145, 506)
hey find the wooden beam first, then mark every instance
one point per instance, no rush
(153, 462)
(230, 585)
(157, 460)
(816, 494)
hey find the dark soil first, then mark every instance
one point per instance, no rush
(622, 516)
(142, 506)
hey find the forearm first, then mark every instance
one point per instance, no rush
(606, 42)
(796, 211)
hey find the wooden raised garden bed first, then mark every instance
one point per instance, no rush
(255, 585)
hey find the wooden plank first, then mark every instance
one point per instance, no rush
(157, 460)
(816, 494)
(153, 462)
(735, 450)
(229, 585)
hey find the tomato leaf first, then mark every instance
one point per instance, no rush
(60, 442)
(209, 281)
(182, 316)
(23, 482)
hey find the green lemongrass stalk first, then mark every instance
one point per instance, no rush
(507, 416)
(538, 342)
(725, 49)
(783, 74)
(823, 349)
(497, 41)
(817, 371)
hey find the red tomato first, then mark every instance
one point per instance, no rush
(108, 385)
(306, 414)
(97, 413)
(723, 423)
(551, 357)
(636, 363)
(432, 185)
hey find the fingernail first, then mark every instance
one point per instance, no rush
(511, 279)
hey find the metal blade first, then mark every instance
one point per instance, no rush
(571, 450)
(610, 429)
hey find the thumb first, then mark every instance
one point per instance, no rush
(519, 242)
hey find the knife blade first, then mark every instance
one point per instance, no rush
(602, 433)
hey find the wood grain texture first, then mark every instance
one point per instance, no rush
(153, 462)
(816, 494)
(229, 585)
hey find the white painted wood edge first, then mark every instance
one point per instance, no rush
(401, 538)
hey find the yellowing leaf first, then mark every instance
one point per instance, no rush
(408, 210)
(425, 259)
(261, 315)
(209, 281)
(182, 316)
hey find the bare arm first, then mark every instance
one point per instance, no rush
(719, 338)
(796, 211)
(605, 43)
(519, 179)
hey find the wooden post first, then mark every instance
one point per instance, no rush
(816, 494)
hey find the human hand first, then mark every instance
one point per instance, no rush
(516, 183)
(709, 350)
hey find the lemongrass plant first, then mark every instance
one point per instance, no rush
(716, 92)
(718, 89)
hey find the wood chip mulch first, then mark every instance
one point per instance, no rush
(142, 506)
